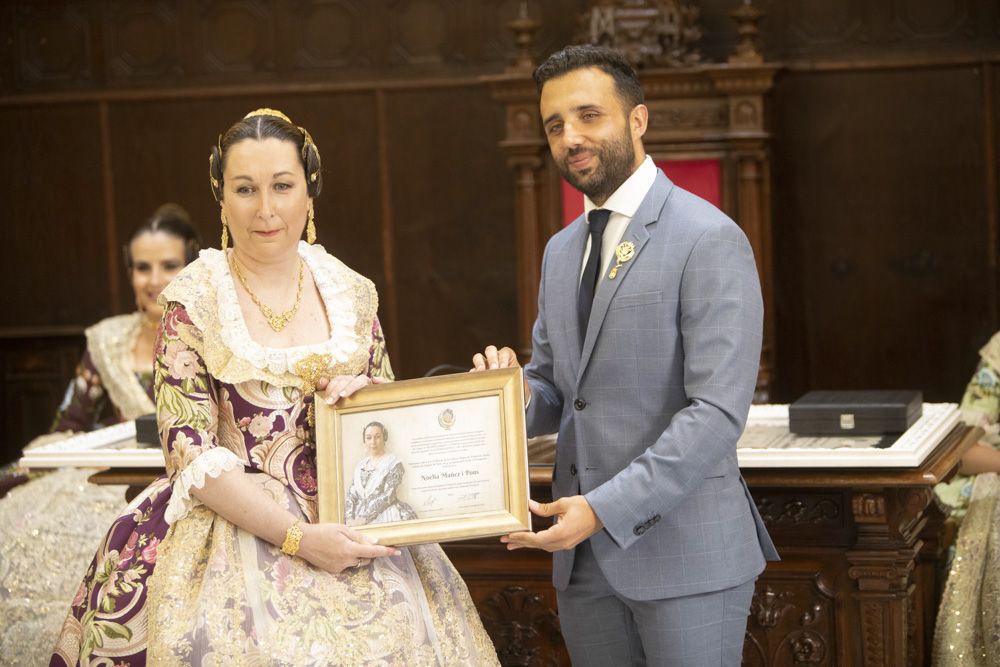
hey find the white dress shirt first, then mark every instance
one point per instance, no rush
(622, 204)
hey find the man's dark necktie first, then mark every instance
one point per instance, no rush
(598, 220)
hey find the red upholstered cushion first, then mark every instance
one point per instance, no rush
(702, 177)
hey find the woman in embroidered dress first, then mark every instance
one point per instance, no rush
(199, 568)
(50, 525)
(372, 495)
(968, 623)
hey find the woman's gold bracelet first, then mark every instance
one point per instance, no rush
(291, 544)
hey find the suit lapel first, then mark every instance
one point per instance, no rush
(637, 232)
(568, 283)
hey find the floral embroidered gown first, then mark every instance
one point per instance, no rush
(968, 623)
(173, 583)
(50, 525)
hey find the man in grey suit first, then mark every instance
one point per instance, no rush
(644, 358)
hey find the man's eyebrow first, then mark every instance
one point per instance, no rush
(577, 109)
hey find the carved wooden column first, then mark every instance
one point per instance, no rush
(745, 87)
(525, 146)
(882, 562)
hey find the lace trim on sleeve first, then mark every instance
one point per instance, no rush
(213, 463)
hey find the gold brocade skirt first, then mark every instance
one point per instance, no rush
(968, 624)
(221, 596)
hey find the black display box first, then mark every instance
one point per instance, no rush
(868, 412)
(146, 432)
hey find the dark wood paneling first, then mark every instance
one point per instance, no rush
(453, 232)
(53, 235)
(34, 373)
(852, 29)
(880, 222)
(89, 44)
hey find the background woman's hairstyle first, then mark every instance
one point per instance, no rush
(170, 219)
(385, 431)
(265, 126)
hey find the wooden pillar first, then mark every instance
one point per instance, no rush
(881, 566)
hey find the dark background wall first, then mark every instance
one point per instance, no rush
(884, 169)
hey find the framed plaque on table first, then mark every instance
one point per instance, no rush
(426, 460)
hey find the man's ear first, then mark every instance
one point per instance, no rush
(638, 120)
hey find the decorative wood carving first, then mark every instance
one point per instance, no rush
(53, 43)
(768, 606)
(791, 622)
(809, 648)
(143, 40)
(423, 32)
(236, 36)
(649, 32)
(820, 511)
(868, 507)
(523, 626)
(747, 16)
(332, 34)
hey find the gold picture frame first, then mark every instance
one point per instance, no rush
(453, 459)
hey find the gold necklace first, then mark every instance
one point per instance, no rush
(274, 320)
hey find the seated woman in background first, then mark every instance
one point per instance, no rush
(50, 525)
(371, 497)
(968, 622)
(223, 561)
(114, 379)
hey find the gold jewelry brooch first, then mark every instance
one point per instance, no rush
(311, 369)
(623, 253)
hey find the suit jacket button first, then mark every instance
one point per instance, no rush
(579, 404)
(639, 530)
(656, 517)
(572, 468)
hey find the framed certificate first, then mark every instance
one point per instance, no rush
(427, 460)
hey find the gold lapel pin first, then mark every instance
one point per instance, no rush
(623, 253)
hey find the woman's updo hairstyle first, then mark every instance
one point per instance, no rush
(265, 124)
(170, 219)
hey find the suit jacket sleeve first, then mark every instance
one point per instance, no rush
(545, 407)
(721, 319)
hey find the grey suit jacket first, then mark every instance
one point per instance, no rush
(650, 409)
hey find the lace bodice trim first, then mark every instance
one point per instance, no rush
(208, 293)
(110, 343)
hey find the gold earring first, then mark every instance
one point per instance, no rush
(225, 231)
(311, 226)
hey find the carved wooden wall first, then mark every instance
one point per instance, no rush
(884, 167)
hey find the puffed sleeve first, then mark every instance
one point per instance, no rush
(187, 412)
(981, 401)
(86, 405)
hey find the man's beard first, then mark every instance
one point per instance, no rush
(615, 159)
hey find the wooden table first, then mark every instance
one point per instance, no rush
(858, 582)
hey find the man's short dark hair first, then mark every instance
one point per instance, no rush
(582, 56)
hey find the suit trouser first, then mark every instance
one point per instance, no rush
(604, 629)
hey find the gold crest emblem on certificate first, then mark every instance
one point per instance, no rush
(623, 253)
